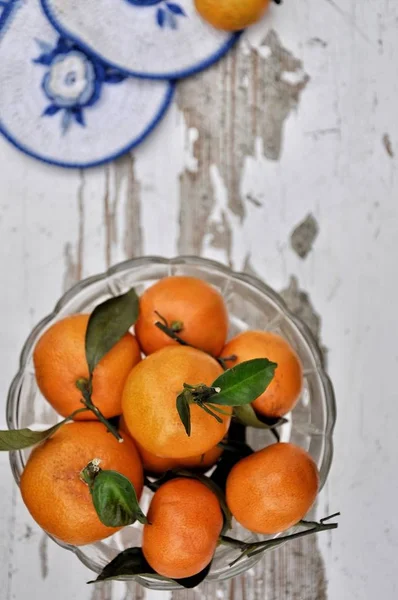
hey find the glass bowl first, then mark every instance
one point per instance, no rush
(251, 305)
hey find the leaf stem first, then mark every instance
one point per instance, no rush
(210, 412)
(225, 540)
(322, 521)
(224, 359)
(85, 386)
(219, 410)
(76, 412)
(162, 318)
(275, 433)
(314, 527)
(325, 519)
(103, 420)
(172, 333)
(252, 549)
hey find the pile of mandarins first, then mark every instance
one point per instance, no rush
(139, 380)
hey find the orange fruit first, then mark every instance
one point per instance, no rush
(193, 305)
(231, 15)
(284, 391)
(273, 489)
(149, 403)
(52, 489)
(60, 360)
(158, 465)
(185, 522)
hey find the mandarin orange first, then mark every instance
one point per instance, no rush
(190, 306)
(60, 360)
(56, 497)
(158, 465)
(284, 390)
(231, 15)
(273, 489)
(149, 403)
(185, 522)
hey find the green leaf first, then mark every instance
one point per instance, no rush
(184, 411)
(192, 582)
(219, 410)
(115, 500)
(127, 563)
(210, 412)
(243, 383)
(247, 416)
(18, 439)
(24, 438)
(132, 562)
(108, 323)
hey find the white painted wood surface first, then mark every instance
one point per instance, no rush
(249, 149)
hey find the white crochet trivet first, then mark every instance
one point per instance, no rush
(151, 38)
(62, 106)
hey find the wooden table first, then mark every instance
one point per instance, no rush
(280, 160)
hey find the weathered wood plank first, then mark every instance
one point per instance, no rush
(32, 234)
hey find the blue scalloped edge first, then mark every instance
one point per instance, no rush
(4, 21)
(172, 75)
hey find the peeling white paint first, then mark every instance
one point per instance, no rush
(159, 163)
(254, 174)
(293, 77)
(245, 45)
(191, 162)
(245, 81)
(264, 51)
(221, 210)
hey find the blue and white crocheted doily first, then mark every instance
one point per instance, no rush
(145, 38)
(63, 106)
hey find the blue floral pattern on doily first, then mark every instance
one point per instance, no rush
(73, 81)
(166, 15)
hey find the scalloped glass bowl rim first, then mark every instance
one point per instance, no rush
(15, 457)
